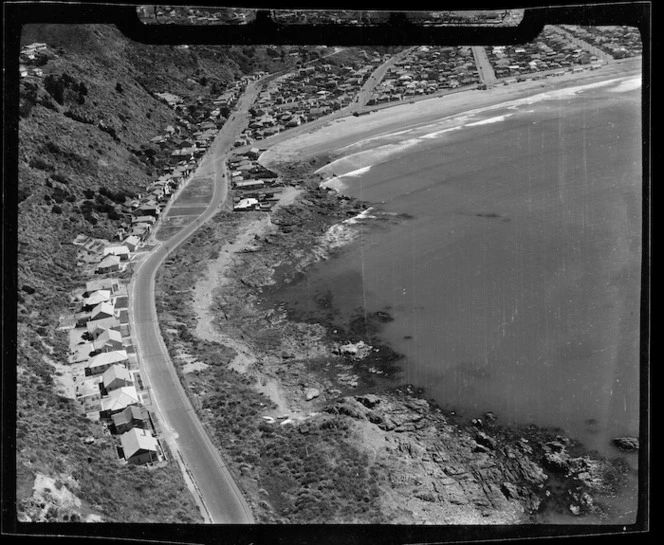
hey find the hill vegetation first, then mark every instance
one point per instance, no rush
(80, 126)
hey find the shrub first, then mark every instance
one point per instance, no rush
(23, 193)
(59, 178)
(40, 164)
(25, 107)
(55, 87)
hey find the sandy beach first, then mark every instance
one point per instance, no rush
(366, 132)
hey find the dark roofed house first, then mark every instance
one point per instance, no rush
(132, 417)
(146, 210)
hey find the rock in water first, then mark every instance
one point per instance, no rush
(626, 443)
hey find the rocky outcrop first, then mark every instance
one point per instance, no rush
(626, 443)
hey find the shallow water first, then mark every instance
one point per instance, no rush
(515, 288)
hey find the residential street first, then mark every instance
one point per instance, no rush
(181, 428)
(487, 75)
(374, 79)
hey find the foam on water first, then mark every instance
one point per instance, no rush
(489, 120)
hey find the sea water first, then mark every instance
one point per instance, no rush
(515, 286)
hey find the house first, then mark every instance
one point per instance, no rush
(121, 251)
(139, 446)
(246, 204)
(132, 417)
(99, 363)
(146, 210)
(144, 219)
(97, 327)
(109, 264)
(102, 310)
(250, 184)
(141, 230)
(95, 298)
(132, 242)
(253, 153)
(116, 376)
(108, 341)
(111, 284)
(118, 400)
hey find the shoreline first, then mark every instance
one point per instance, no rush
(307, 373)
(298, 383)
(332, 137)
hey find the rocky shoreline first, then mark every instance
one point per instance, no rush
(312, 382)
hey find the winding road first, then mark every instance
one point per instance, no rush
(181, 428)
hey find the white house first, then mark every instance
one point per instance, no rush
(121, 251)
(101, 311)
(99, 363)
(139, 446)
(108, 341)
(118, 400)
(116, 376)
(110, 263)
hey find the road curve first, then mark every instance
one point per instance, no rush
(218, 491)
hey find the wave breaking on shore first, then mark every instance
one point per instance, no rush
(359, 157)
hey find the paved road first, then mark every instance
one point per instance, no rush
(374, 79)
(484, 68)
(363, 96)
(182, 429)
(584, 45)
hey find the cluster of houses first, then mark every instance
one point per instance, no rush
(32, 57)
(550, 51)
(102, 360)
(195, 16)
(427, 70)
(304, 95)
(254, 186)
(617, 41)
(105, 370)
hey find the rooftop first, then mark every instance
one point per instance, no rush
(136, 440)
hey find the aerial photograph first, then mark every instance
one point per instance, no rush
(371, 284)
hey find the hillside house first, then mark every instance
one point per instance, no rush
(132, 417)
(118, 400)
(99, 363)
(150, 220)
(116, 376)
(132, 242)
(109, 264)
(102, 310)
(120, 251)
(97, 327)
(108, 340)
(139, 446)
(95, 298)
(147, 210)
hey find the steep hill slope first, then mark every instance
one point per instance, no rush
(83, 124)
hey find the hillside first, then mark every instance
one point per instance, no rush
(84, 132)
